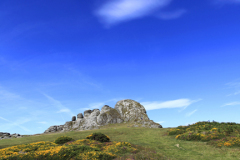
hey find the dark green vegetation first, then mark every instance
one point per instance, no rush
(63, 139)
(99, 137)
(202, 140)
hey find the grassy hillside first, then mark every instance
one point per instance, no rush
(208, 141)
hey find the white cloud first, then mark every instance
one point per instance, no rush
(179, 103)
(171, 15)
(96, 105)
(112, 100)
(59, 105)
(17, 122)
(235, 93)
(63, 110)
(160, 122)
(121, 10)
(4, 119)
(83, 78)
(233, 84)
(231, 104)
(236, 85)
(5, 95)
(19, 108)
(238, 92)
(190, 113)
(99, 105)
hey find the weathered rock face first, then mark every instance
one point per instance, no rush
(132, 111)
(5, 135)
(108, 115)
(125, 111)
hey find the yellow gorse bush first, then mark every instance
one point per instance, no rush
(38, 148)
(123, 144)
(43, 148)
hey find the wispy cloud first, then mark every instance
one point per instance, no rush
(96, 105)
(63, 110)
(235, 85)
(231, 104)
(21, 30)
(122, 10)
(59, 105)
(99, 105)
(17, 122)
(42, 122)
(160, 122)
(190, 113)
(6, 95)
(4, 119)
(22, 111)
(235, 93)
(171, 15)
(83, 78)
(179, 103)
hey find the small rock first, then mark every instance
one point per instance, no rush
(80, 115)
(74, 118)
(5, 135)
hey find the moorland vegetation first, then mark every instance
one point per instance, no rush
(202, 140)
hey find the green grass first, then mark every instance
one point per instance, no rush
(201, 141)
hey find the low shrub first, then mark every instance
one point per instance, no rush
(74, 150)
(63, 139)
(98, 137)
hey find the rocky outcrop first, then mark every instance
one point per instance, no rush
(132, 111)
(54, 128)
(125, 111)
(5, 135)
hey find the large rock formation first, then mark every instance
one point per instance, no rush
(6, 135)
(125, 111)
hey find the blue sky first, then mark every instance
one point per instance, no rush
(179, 59)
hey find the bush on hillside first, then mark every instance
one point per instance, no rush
(63, 139)
(98, 137)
